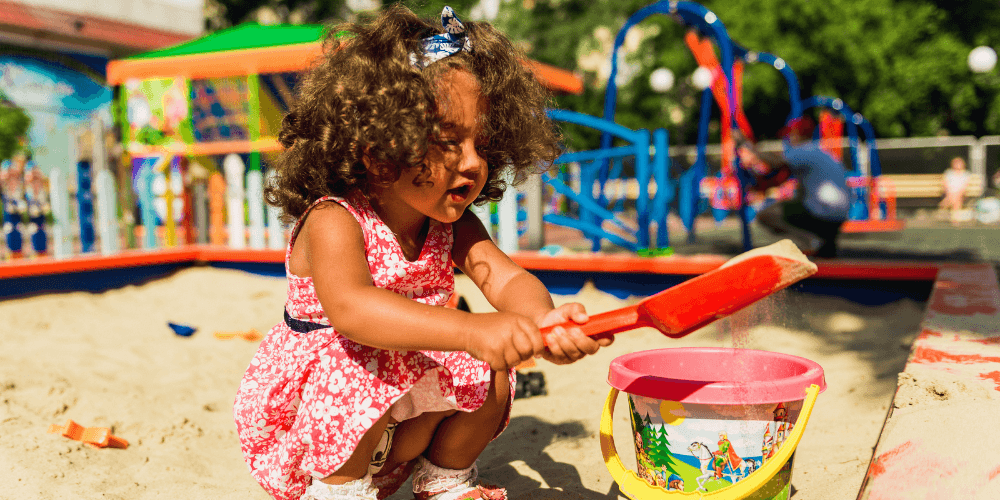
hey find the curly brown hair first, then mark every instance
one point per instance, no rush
(365, 97)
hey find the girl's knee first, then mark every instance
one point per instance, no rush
(357, 464)
(499, 396)
(413, 436)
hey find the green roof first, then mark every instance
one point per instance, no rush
(243, 36)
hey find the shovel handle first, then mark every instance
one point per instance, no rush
(610, 322)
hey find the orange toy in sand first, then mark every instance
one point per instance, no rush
(251, 334)
(99, 437)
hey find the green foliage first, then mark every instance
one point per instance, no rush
(900, 63)
(14, 124)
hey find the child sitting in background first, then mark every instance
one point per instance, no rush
(956, 181)
(394, 134)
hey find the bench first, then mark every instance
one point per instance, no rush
(924, 186)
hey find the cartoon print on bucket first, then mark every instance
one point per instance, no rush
(697, 447)
(716, 422)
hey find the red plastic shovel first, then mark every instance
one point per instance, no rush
(684, 308)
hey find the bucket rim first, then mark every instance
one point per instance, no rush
(623, 375)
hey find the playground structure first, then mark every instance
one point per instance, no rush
(198, 124)
(872, 204)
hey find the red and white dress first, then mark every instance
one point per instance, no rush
(310, 394)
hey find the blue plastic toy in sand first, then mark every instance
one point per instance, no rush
(182, 330)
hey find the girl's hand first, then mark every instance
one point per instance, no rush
(566, 345)
(503, 339)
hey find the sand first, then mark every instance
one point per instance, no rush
(109, 359)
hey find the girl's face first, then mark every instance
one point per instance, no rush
(455, 171)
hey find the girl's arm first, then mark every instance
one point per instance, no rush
(506, 285)
(335, 257)
(509, 288)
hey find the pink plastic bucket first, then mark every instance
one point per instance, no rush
(711, 422)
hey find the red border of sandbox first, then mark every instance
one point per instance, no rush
(583, 263)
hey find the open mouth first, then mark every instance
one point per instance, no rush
(460, 192)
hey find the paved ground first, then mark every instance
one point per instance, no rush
(923, 239)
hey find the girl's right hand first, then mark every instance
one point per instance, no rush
(503, 340)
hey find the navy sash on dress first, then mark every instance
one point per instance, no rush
(297, 325)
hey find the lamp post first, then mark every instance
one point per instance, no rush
(982, 59)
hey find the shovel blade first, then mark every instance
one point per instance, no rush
(699, 301)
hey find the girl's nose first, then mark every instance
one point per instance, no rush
(472, 161)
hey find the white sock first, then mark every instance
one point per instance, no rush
(359, 489)
(428, 477)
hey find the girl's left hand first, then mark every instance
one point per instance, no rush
(566, 345)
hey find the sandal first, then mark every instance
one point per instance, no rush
(431, 482)
(478, 492)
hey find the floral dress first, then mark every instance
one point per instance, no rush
(310, 394)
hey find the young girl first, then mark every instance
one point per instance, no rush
(399, 128)
(956, 180)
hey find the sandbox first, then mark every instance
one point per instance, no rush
(109, 359)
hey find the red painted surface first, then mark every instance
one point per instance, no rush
(994, 376)
(133, 258)
(44, 20)
(924, 354)
(965, 300)
(872, 226)
(675, 265)
(994, 473)
(130, 258)
(913, 470)
(879, 464)
(910, 468)
(926, 334)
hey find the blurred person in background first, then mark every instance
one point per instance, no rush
(814, 216)
(955, 182)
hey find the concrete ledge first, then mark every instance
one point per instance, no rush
(940, 438)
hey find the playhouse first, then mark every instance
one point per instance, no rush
(199, 123)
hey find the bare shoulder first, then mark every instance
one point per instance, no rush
(468, 231)
(329, 230)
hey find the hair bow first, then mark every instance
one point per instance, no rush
(452, 41)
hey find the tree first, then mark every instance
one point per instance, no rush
(901, 63)
(14, 124)
(225, 13)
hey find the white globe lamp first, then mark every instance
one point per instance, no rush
(701, 78)
(661, 80)
(982, 59)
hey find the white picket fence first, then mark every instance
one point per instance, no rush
(240, 219)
